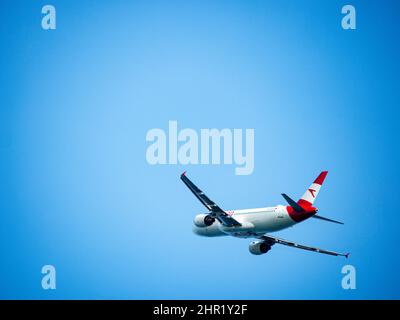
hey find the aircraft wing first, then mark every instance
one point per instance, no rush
(272, 240)
(215, 211)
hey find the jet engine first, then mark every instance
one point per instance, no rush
(259, 247)
(203, 220)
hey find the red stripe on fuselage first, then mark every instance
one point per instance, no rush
(300, 216)
(304, 203)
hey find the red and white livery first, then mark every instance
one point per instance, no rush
(259, 222)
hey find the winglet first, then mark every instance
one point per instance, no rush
(347, 255)
(183, 174)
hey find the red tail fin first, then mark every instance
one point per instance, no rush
(310, 195)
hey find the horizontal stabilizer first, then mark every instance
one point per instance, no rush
(292, 203)
(326, 219)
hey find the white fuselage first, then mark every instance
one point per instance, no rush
(253, 222)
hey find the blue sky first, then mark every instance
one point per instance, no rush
(76, 191)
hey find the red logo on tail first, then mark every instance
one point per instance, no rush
(312, 192)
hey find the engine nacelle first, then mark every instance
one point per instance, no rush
(259, 247)
(203, 220)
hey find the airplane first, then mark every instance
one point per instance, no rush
(259, 222)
